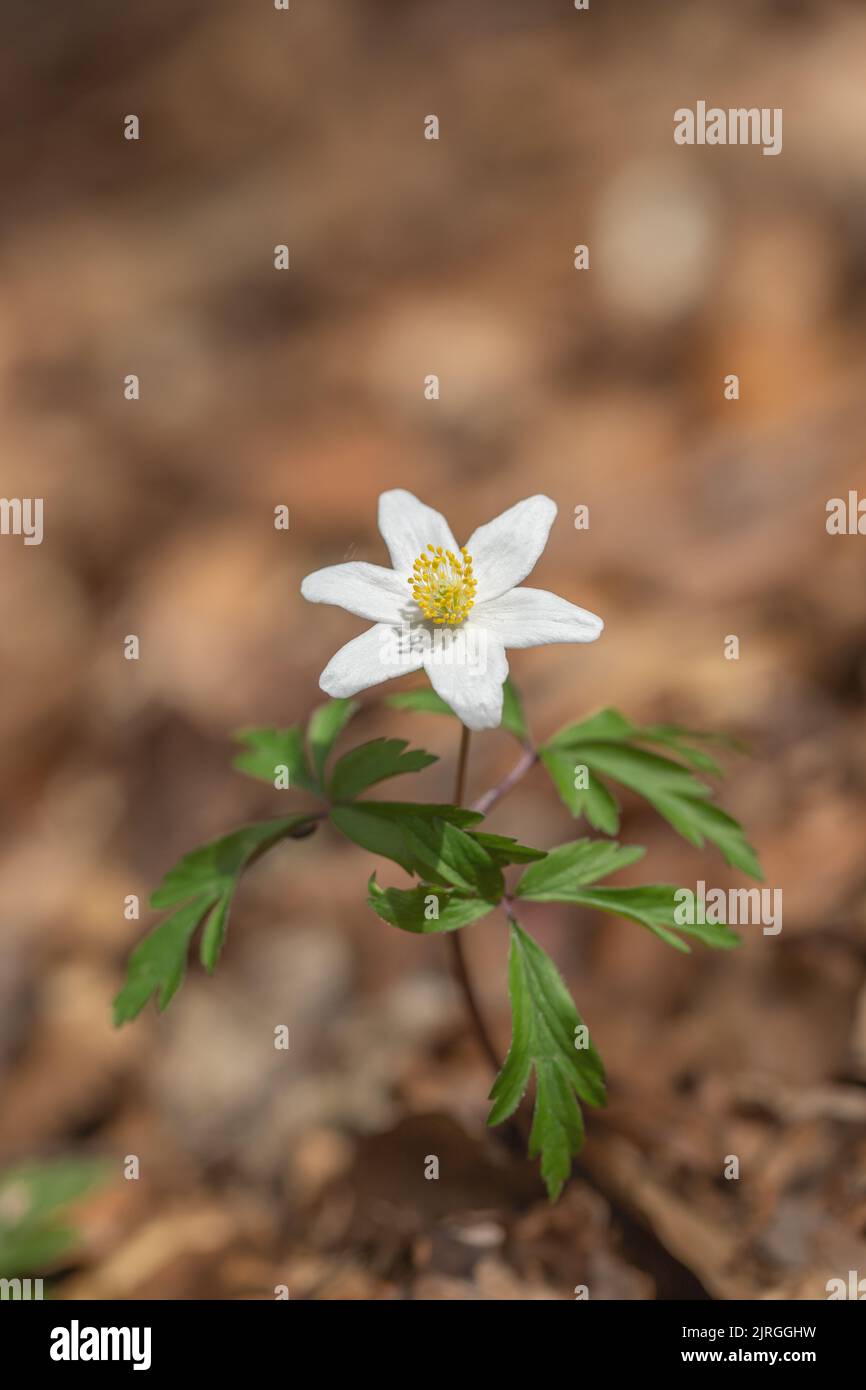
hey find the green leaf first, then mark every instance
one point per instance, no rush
(568, 867)
(593, 801)
(445, 854)
(33, 1198)
(428, 702)
(270, 749)
(421, 701)
(35, 1191)
(675, 737)
(214, 933)
(544, 1036)
(504, 850)
(653, 906)
(648, 774)
(23, 1252)
(700, 820)
(374, 761)
(212, 869)
(513, 718)
(378, 826)
(158, 964)
(426, 840)
(408, 908)
(325, 726)
(606, 724)
(200, 885)
(609, 746)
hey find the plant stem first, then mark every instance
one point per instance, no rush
(462, 762)
(519, 770)
(458, 960)
(461, 974)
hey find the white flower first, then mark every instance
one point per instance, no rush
(449, 611)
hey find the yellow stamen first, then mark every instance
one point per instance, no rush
(443, 585)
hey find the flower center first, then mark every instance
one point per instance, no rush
(443, 585)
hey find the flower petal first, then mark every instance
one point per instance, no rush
(533, 617)
(369, 591)
(467, 666)
(409, 526)
(379, 654)
(506, 549)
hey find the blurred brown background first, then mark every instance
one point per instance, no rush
(707, 518)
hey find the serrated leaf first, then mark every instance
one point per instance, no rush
(568, 867)
(201, 885)
(157, 965)
(374, 762)
(426, 840)
(675, 737)
(408, 909)
(698, 821)
(505, 850)
(544, 1032)
(648, 774)
(653, 906)
(212, 868)
(270, 749)
(445, 854)
(593, 801)
(610, 747)
(378, 826)
(324, 728)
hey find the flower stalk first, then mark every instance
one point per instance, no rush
(455, 939)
